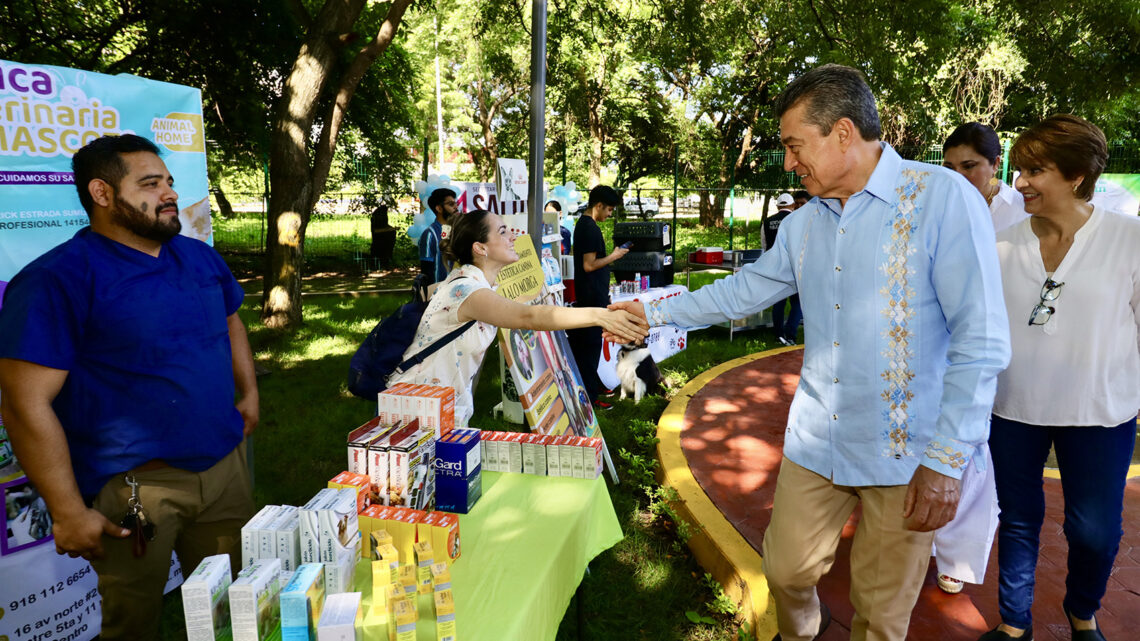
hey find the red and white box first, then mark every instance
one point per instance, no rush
(708, 256)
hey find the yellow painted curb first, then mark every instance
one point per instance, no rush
(716, 544)
(1054, 473)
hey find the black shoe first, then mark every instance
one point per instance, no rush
(824, 621)
(1083, 635)
(998, 635)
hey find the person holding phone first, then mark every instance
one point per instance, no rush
(592, 283)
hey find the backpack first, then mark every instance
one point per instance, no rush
(382, 354)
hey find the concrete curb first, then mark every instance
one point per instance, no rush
(716, 544)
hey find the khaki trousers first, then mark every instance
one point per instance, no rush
(888, 562)
(198, 514)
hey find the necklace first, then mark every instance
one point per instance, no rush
(993, 192)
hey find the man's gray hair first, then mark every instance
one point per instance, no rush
(831, 92)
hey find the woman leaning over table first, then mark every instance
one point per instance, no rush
(480, 245)
(1071, 277)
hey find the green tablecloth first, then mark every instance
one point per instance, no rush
(524, 549)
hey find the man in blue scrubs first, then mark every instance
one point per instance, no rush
(120, 355)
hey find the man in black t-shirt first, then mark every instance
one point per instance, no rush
(592, 283)
(785, 332)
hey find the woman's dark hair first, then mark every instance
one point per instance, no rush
(466, 230)
(1074, 145)
(981, 138)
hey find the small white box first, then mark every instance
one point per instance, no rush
(287, 529)
(338, 524)
(341, 618)
(204, 599)
(255, 610)
(267, 534)
(250, 535)
(310, 526)
(339, 574)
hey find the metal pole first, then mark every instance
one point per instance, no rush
(425, 158)
(673, 231)
(537, 121)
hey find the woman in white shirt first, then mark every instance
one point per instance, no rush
(973, 150)
(962, 546)
(1071, 280)
(480, 245)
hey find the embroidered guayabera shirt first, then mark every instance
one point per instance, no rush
(905, 327)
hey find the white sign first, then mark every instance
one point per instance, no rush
(513, 177)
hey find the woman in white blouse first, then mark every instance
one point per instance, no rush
(962, 546)
(1071, 279)
(480, 245)
(973, 150)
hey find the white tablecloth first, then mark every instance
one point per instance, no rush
(663, 341)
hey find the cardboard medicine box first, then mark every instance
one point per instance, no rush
(342, 618)
(442, 530)
(411, 474)
(204, 599)
(458, 471)
(301, 601)
(255, 609)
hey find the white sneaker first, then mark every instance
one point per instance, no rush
(949, 584)
(785, 342)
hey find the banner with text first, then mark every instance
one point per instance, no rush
(47, 114)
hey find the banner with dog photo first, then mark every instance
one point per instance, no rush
(549, 385)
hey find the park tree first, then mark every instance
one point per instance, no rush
(321, 83)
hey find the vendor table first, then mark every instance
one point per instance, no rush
(663, 341)
(524, 549)
(761, 319)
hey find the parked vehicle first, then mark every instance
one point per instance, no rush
(643, 207)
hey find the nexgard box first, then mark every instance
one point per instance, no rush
(458, 471)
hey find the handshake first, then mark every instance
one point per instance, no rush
(629, 323)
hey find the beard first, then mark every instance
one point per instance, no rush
(149, 226)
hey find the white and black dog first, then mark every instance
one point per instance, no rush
(638, 372)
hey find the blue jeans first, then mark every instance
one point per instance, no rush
(787, 330)
(1093, 462)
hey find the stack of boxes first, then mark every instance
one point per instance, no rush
(577, 457)
(273, 533)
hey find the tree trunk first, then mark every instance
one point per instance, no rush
(227, 210)
(295, 183)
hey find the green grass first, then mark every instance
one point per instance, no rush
(642, 588)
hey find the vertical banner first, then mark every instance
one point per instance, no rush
(549, 385)
(46, 114)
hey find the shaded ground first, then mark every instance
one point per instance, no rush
(733, 440)
(324, 275)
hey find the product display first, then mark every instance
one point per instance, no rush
(458, 471)
(424, 561)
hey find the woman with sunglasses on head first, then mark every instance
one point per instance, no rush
(1071, 279)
